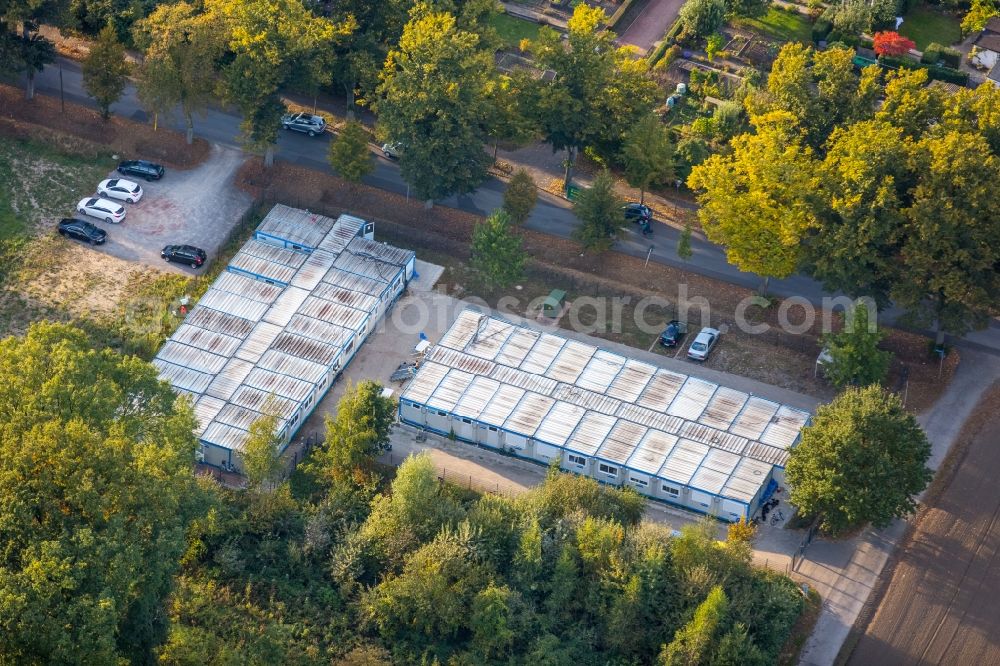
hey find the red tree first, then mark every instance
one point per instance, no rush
(892, 43)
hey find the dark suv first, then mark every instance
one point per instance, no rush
(304, 122)
(140, 169)
(82, 230)
(184, 254)
(636, 212)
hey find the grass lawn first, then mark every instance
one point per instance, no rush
(925, 24)
(512, 30)
(781, 26)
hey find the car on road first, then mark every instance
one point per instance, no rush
(184, 254)
(141, 169)
(636, 212)
(120, 189)
(102, 209)
(703, 344)
(304, 122)
(673, 333)
(82, 230)
(392, 150)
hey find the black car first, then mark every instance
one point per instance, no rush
(184, 254)
(141, 169)
(82, 230)
(673, 333)
(635, 212)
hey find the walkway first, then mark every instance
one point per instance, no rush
(651, 24)
(845, 572)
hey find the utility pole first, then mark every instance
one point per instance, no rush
(62, 96)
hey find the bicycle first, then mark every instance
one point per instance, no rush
(777, 517)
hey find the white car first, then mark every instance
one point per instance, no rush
(392, 150)
(102, 209)
(703, 344)
(121, 189)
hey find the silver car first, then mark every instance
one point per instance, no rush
(102, 209)
(120, 189)
(304, 122)
(703, 344)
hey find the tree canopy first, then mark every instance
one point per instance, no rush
(105, 71)
(862, 460)
(498, 254)
(600, 214)
(855, 359)
(97, 493)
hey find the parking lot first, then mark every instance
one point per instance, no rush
(195, 207)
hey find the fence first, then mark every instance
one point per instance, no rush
(463, 480)
(800, 552)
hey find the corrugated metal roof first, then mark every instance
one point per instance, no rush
(718, 439)
(631, 381)
(661, 390)
(765, 453)
(746, 480)
(591, 433)
(303, 347)
(478, 394)
(205, 410)
(649, 418)
(368, 266)
(314, 269)
(692, 399)
(486, 343)
(381, 251)
(652, 452)
(714, 471)
(461, 331)
(241, 285)
(570, 362)
(601, 371)
(525, 380)
(588, 399)
(450, 390)
(258, 342)
(754, 418)
(560, 423)
(187, 356)
(225, 436)
(219, 322)
(333, 313)
(355, 282)
(182, 377)
(422, 386)
(683, 460)
(542, 355)
(529, 413)
(294, 366)
(723, 408)
(353, 299)
(216, 343)
(223, 301)
(503, 403)
(286, 305)
(517, 346)
(316, 329)
(621, 441)
(457, 359)
(296, 226)
(283, 385)
(227, 381)
(785, 427)
(263, 402)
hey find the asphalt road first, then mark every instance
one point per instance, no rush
(551, 215)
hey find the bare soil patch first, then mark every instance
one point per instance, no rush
(121, 136)
(936, 602)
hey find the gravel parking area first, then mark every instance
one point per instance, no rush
(195, 207)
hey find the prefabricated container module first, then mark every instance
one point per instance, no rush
(671, 436)
(279, 324)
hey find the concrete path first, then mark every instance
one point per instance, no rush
(651, 24)
(845, 572)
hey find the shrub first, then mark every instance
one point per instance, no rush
(932, 54)
(952, 57)
(934, 72)
(821, 28)
(891, 43)
(700, 18)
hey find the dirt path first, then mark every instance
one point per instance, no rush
(650, 25)
(942, 605)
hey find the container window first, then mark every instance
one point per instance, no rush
(608, 470)
(579, 461)
(639, 482)
(670, 490)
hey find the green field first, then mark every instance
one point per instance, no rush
(780, 26)
(512, 30)
(925, 24)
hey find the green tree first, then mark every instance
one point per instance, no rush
(861, 460)
(599, 210)
(864, 184)
(855, 359)
(684, 243)
(349, 154)
(598, 91)
(22, 48)
(691, 151)
(693, 643)
(701, 18)
(433, 101)
(979, 15)
(261, 457)
(747, 8)
(520, 196)
(950, 254)
(268, 42)
(755, 201)
(97, 491)
(648, 155)
(358, 434)
(910, 104)
(180, 48)
(498, 255)
(736, 648)
(105, 71)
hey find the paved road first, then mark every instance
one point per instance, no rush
(651, 24)
(552, 214)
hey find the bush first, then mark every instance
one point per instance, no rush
(821, 28)
(938, 73)
(932, 54)
(700, 18)
(952, 57)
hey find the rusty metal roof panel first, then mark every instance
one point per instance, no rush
(355, 282)
(661, 390)
(723, 408)
(314, 269)
(631, 380)
(216, 343)
(358, 300)
(784, 428)
(525, 380)
(232, 304)
(381, 251)
(621, 442)
(283, 385)
(541, 356)
(692, 399)
(570, 362)
(651, 452)
(754, 418)
(258, 342)
(501, 405)
(560, 423)
(295, 226)
(591, 432)
(460, 360)
(229, 379)
(650, 419)
(517, 346)
(422, 386)
(300, 368)
(529, 414)
(219, 322)
(247, 287)
(601, 371)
